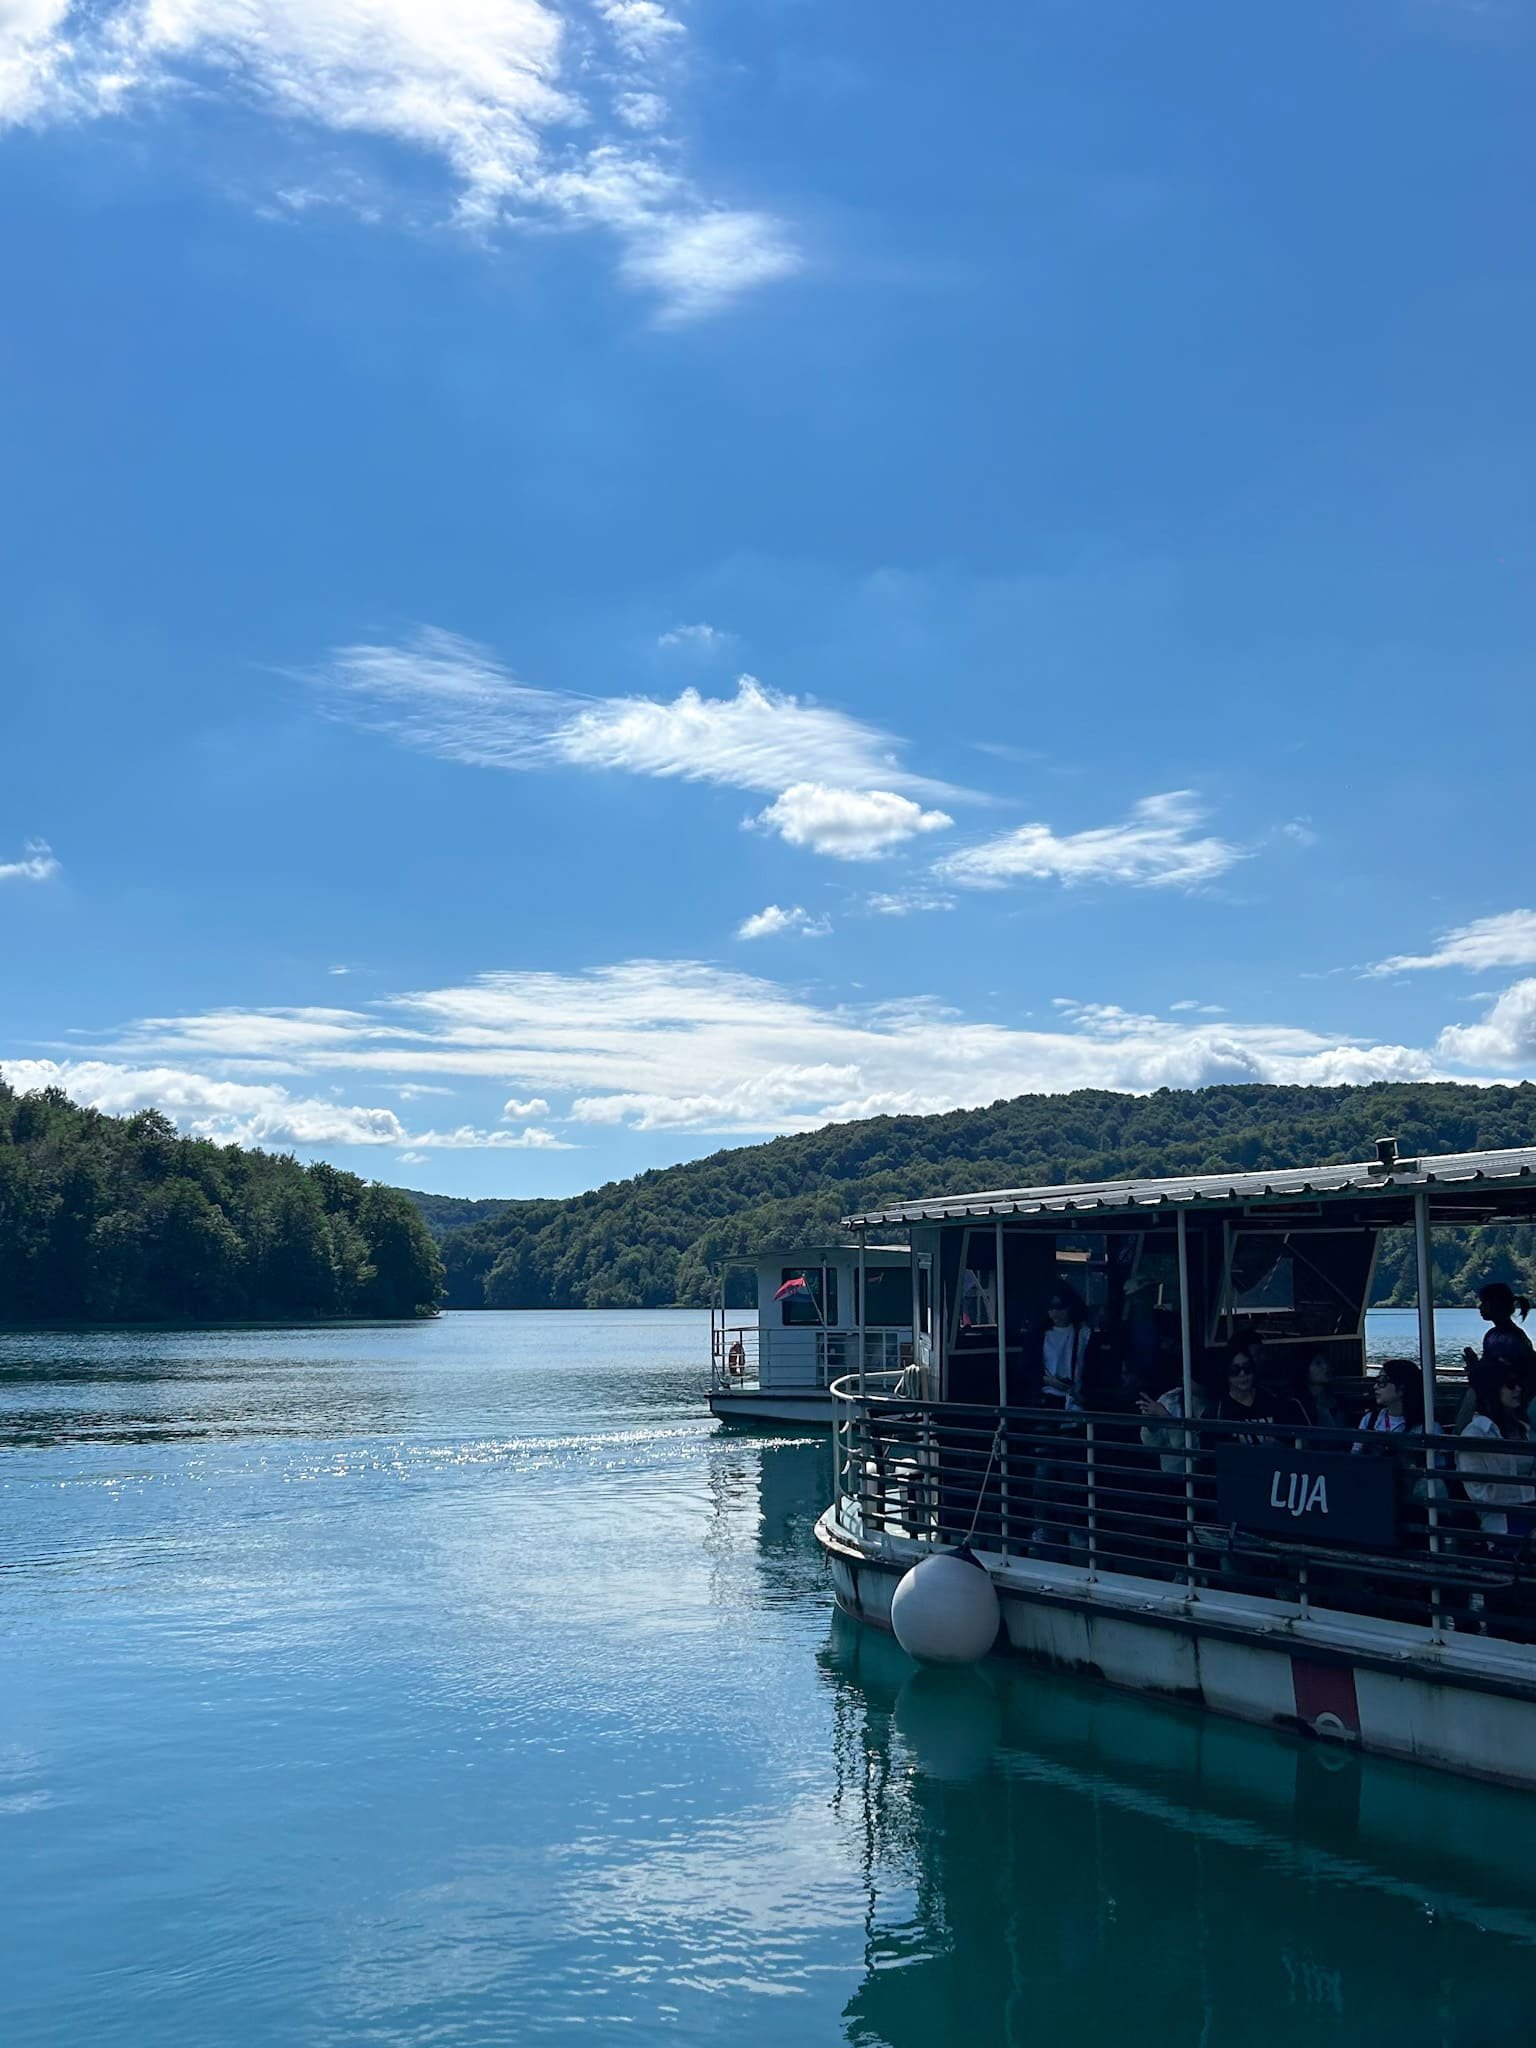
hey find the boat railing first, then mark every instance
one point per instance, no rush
(745, 1358)
(733, 1356)
(1218, 1507)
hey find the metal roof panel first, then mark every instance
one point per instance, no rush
(1277, 1184)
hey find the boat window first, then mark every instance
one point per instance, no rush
(975, 1305)
(925, 1297)
(1296, 1285)
(814, 1309)
(887, 1297)
(1154, 1273)
(1263, 1276)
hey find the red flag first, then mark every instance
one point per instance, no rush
(799, 1285)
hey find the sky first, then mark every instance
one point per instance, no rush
(588, 582)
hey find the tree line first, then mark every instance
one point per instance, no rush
(120, 1220)
(654, 1240)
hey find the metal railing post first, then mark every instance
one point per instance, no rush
(1093, 1501)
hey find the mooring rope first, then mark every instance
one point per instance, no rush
(997, 1443)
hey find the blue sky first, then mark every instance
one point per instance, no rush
(584, 582)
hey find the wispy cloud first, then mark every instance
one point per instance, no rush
(36, 864)
(684, 1046)
(907, 902)
(506, 96)
(849, 824)
(772, 922)
(452, 697)
(1159, 846)
(1507, 940)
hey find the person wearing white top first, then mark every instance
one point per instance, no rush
(1499, 1475)
(1066, 1348)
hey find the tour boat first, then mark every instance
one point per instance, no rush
(1360, 1586)
(823, 1311)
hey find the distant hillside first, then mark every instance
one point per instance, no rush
(442, 1213)
(653, 1240)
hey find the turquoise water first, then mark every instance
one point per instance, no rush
(460, 1684)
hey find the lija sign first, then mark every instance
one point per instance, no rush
(1310, 1496)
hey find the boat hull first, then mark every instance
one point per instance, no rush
(1462, 1704)
(750, 1408)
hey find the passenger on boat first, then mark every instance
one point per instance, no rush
(1067, 1352)
(1505, 1344)
(736, 1360)
(1160, 1431)
(1398, 1407)
(1500, 1482)
(1068, 1359)
(1317, 1397)
(1246, 1401)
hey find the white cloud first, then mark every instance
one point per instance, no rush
(641, 110)
(1188, 1005)
(451, 697)
(36, 864)
(771, 922)
(468, 1139)
(640, 27)
(1156, 847)
(489, 90)
(682, 1045)
(699, 639)
(245, 1113)
(699, 264)
(1507, 940)
(850, 824)
(520, 1112)
(204, 1106)
(1506, 1037)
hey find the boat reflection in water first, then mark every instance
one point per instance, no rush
(1049, 1862)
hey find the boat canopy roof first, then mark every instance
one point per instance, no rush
(795, 1254)
(1470, 1182)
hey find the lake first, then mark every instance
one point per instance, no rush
(462, 1683)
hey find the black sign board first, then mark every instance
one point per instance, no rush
(1309, 1496)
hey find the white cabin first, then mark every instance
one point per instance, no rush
(777, 1363)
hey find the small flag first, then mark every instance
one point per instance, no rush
(799, 1285)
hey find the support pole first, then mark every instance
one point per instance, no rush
(1002, 1380)
(1422, 1252)
(863, 1309)
(1002, 1338)
(1187, 1359)
(1423, 1259)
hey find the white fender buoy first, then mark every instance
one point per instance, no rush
(945, 1610)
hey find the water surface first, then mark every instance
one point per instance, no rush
(462, 1683)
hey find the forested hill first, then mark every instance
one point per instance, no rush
(653, 1240)
(454, 1212)
(119, 1220)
